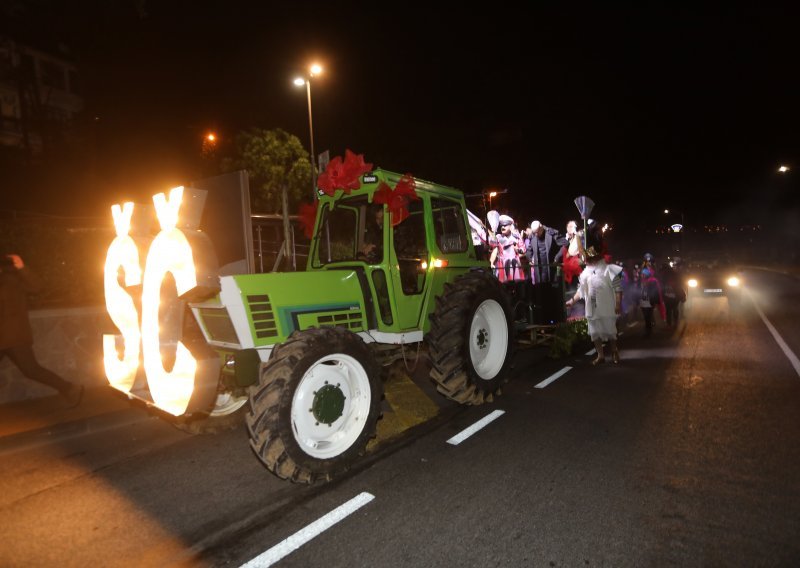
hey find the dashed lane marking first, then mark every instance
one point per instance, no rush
(553, 377)
(591, 351)
(313, 530)
(466, 433)
(778, 339)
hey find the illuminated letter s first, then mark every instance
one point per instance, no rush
(122, 253)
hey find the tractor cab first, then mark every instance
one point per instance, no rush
(399, 253)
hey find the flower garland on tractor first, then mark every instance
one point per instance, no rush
(346, 175)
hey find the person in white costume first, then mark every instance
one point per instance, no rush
(600, 285)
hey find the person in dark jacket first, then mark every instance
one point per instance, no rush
(544, 252)
(16, 338)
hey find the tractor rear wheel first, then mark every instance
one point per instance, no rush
(316, 405)
(471, 339)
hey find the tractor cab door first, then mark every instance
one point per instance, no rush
(409, 251)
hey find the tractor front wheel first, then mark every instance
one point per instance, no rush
(228, 412)
(316, 405)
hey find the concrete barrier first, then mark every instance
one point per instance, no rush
(66, 341)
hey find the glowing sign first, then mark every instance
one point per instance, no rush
(122, 254)
(171, 252)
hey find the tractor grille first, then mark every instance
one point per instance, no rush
(350, 320)
(263, 317)
(218, 325)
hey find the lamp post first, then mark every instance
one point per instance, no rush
(678, 229)
(313, 71)
(491, 194)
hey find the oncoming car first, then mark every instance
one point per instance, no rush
(713, 277)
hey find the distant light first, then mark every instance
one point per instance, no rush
(666, 211)
(692, 283)
(315, 69)
(492, 194)
(783, 169)
(605, 228)
(211, 138)
(733, 281)
(676, 228)
(299, 81)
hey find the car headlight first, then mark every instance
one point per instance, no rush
(692, 283)
(733, 281)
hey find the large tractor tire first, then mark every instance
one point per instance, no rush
(471, 339)
(316, 405)
(228, 413)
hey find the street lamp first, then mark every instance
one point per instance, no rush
(677, 228)
(783, 169)
(208, 151)
(313, 71)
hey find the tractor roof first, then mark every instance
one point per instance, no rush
(372, 180)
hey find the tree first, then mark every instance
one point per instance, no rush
(276, 163)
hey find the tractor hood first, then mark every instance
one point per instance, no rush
(265, 309)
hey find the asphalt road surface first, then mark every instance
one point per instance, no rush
(686, 454)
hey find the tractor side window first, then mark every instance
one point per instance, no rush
(337, 235)
(411, 249)
(449, 228)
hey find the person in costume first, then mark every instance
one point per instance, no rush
(651, 298)
(600, 287)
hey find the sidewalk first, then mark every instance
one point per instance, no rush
(31, 423)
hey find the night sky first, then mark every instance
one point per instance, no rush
(639, 108)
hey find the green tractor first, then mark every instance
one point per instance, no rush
(299, 356)
(306, 349)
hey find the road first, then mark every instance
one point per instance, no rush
(686, 453)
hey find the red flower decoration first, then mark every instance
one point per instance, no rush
(397, 199)
(343, 174)
(307, 216)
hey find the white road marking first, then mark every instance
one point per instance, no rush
(591, 351)
(553, 377)
(778, 339)
(302, 536)
(466, 433)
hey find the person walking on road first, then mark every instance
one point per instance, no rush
(600, 285)
(651, 299)
(16, 338)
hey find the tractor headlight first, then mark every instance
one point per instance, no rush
(692, 283)
(733, 281)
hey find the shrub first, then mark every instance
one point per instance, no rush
(567, 336)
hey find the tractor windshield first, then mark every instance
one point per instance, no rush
(351, 230)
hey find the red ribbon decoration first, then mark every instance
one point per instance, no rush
(397, 199)
(343, 175)
(307, 215)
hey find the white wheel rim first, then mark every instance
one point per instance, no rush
(488, 339)
(321, 440)
(227, 403)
